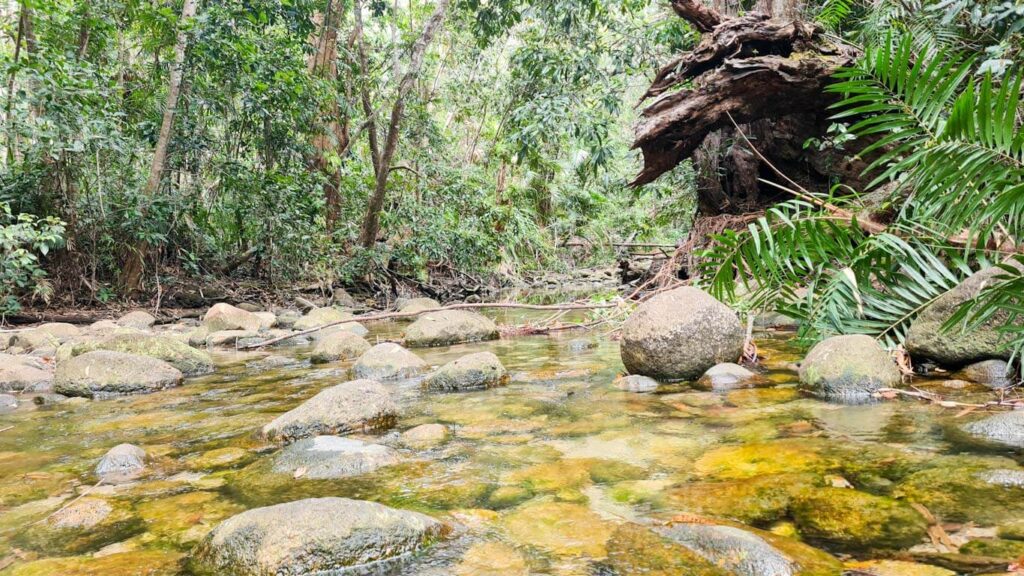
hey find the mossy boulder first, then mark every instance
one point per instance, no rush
(388, 361)
(960, 489)
(84, 525)
(760, 459)
(994, 374)
(856, 521)
(633, 549)
(317, 535)
(413, 305)
(1011, 550)
(679, 334)
(342, 409)
(927, 340)
(471, 372)
(102, 374)
(759, 500)
(338, 345)
(446, 327)
(177, 353)
(1005, 429)
(848, 369)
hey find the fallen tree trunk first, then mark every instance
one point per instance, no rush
(766, 73)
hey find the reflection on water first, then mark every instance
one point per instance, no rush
(549, 475)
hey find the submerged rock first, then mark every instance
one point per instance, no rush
(388, 361)
(138, 319)
(319, 317)
(446, 327)
(679, 334)
(967, 489)
(726, 376)
(848, 369)
(333, 457)
(231, 338)
(104, 373)
(314, 536)
(121, 463)
(927, 340)
(188, 360)
(341, 409)
(1006, 428)
(559, 528)
(338, 345)
(425, 436)
(492, 559)
(223, 316)
(635, 383)
(855, 521)
(633, 549)
(992, 373)
(471, 372)
(896, 568)
(85, 524)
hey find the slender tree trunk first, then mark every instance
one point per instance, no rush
(364, 93)
(371, 222)
(133, 267)
(323, 64)
(24, 36)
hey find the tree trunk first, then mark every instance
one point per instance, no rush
(131, 277)
(364, 93)
(334, 138)
(371, 222)
(765, 74)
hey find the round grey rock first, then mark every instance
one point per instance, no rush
(471, 372)
(679, 334)
(741, 552)
(446, 327)
(314, 536)
(338, 345)
(726, 376)
(636, 383)
(388, 361)
(104, 373)
(359, 405)
(995, 374)
(848, 369)
(1006, 428)
(138, 319)
(121, 463)
(223, 316)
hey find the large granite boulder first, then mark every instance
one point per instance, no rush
(322, 457)
(174, 351)
(927, 340)
(848, 369)
(338, 345)
(19, 373)
(414, 305)
(223, 316)
(388, 361)
(103, 373)
(319, 317)
(679, 334)
(445, 327)
(314, 536)
(352, 406)
(471, 372)
(995, 374)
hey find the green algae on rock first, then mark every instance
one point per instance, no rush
(633, 549)
(759, 500)
(559, 528)
(856, 521)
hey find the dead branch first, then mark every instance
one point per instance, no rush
(891, 393)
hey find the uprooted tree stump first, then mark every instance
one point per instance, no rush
(767, 74)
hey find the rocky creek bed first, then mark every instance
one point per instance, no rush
(522, 455)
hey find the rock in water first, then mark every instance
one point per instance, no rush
(319, 317)
(992, 373)
(852, 520)
(341, 409)
(175, 352)
(927, 340)
(1006, 429)
(425, 436)
(472, 372)
(24, 377)
(338, 345)
(388, 361)
(679, 334)
(137, 319)
(121, 463)
(104, 373)
(333, 457)
(446, 327)
(224, 316)
(848, 369)
(741, 552)
(726, 376)
(314, 536)
(635, 383)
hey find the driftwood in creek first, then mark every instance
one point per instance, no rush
(769, 75)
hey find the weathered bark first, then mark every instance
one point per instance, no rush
(768, 75)
(131, 275)
(334, 138)
(371, 222)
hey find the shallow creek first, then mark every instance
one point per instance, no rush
(538, 476)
